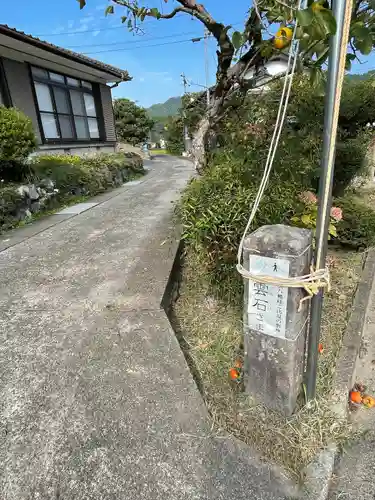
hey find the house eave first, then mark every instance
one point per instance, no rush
(103, 71)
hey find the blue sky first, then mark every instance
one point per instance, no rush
(155, 68)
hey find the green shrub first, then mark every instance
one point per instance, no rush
(357, 227)
(87, 175)
(17, 141)
(174, 136)
(10, 201)
(54, 160)
(300, 148)
(17, 137)
(215, 208)
(214, 211)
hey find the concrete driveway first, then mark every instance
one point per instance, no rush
(96, 399)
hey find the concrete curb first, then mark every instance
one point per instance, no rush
(318, 474)
(345, 372)
(320, 471)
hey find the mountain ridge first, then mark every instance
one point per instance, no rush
(164, 109)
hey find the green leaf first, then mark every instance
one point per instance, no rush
(317, 81)
(305, 17)
(326, 21)
(322, 54)
(360, 31)
(306, 219)
(362, 38)
(123, 19)
(237, 39)
(82, 3)
(315, 76)
(155, 13)
(109, 10)
(332, 230)
(365, 45)
(348, 62)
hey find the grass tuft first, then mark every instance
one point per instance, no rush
(210, 334)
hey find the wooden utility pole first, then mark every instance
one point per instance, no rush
(206, 65)
(185, 132)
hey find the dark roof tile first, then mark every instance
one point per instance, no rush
(69, 54)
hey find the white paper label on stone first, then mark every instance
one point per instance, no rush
(267, 304)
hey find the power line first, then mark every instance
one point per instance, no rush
(141, 47)
(131, 41)
(79, 32)
(198, 39)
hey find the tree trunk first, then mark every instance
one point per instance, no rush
(204, 136)
(199, 143)
(201, 134)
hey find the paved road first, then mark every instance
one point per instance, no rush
(96, 400)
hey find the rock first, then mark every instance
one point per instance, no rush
(47, 183)
(35, 207)
(30, 191)
(23, 190)
(27, 213)
(118, 179)
(125, 174)
(33, 192)
(21, 214)
(77, 191)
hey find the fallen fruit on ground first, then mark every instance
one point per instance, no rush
(320, 348)
(238, 364)
(355, 397)
(234, 373)
(368, 401)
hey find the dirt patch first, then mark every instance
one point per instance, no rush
(210, 334)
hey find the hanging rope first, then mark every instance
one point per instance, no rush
(316, 279)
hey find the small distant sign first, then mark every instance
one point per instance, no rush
(267, 304)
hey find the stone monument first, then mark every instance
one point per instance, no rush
(275, 320)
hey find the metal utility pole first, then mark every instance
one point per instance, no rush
(206, 65)
(342, 10)
(185, 132)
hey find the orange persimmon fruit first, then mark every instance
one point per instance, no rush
(234, 374)
(355, 397)
(368, 401)
(283, 37)
(320, 348)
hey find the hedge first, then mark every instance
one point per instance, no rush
(56, 179)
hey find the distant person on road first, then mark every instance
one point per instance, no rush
(145, 150)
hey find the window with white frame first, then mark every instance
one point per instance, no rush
(67, 107)
(4, 95)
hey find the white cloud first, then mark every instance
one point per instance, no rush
(83, 27)
(58, 30)
(96, 33)
(87, 20)
(160, 76)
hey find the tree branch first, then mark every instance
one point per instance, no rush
(148, 13)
